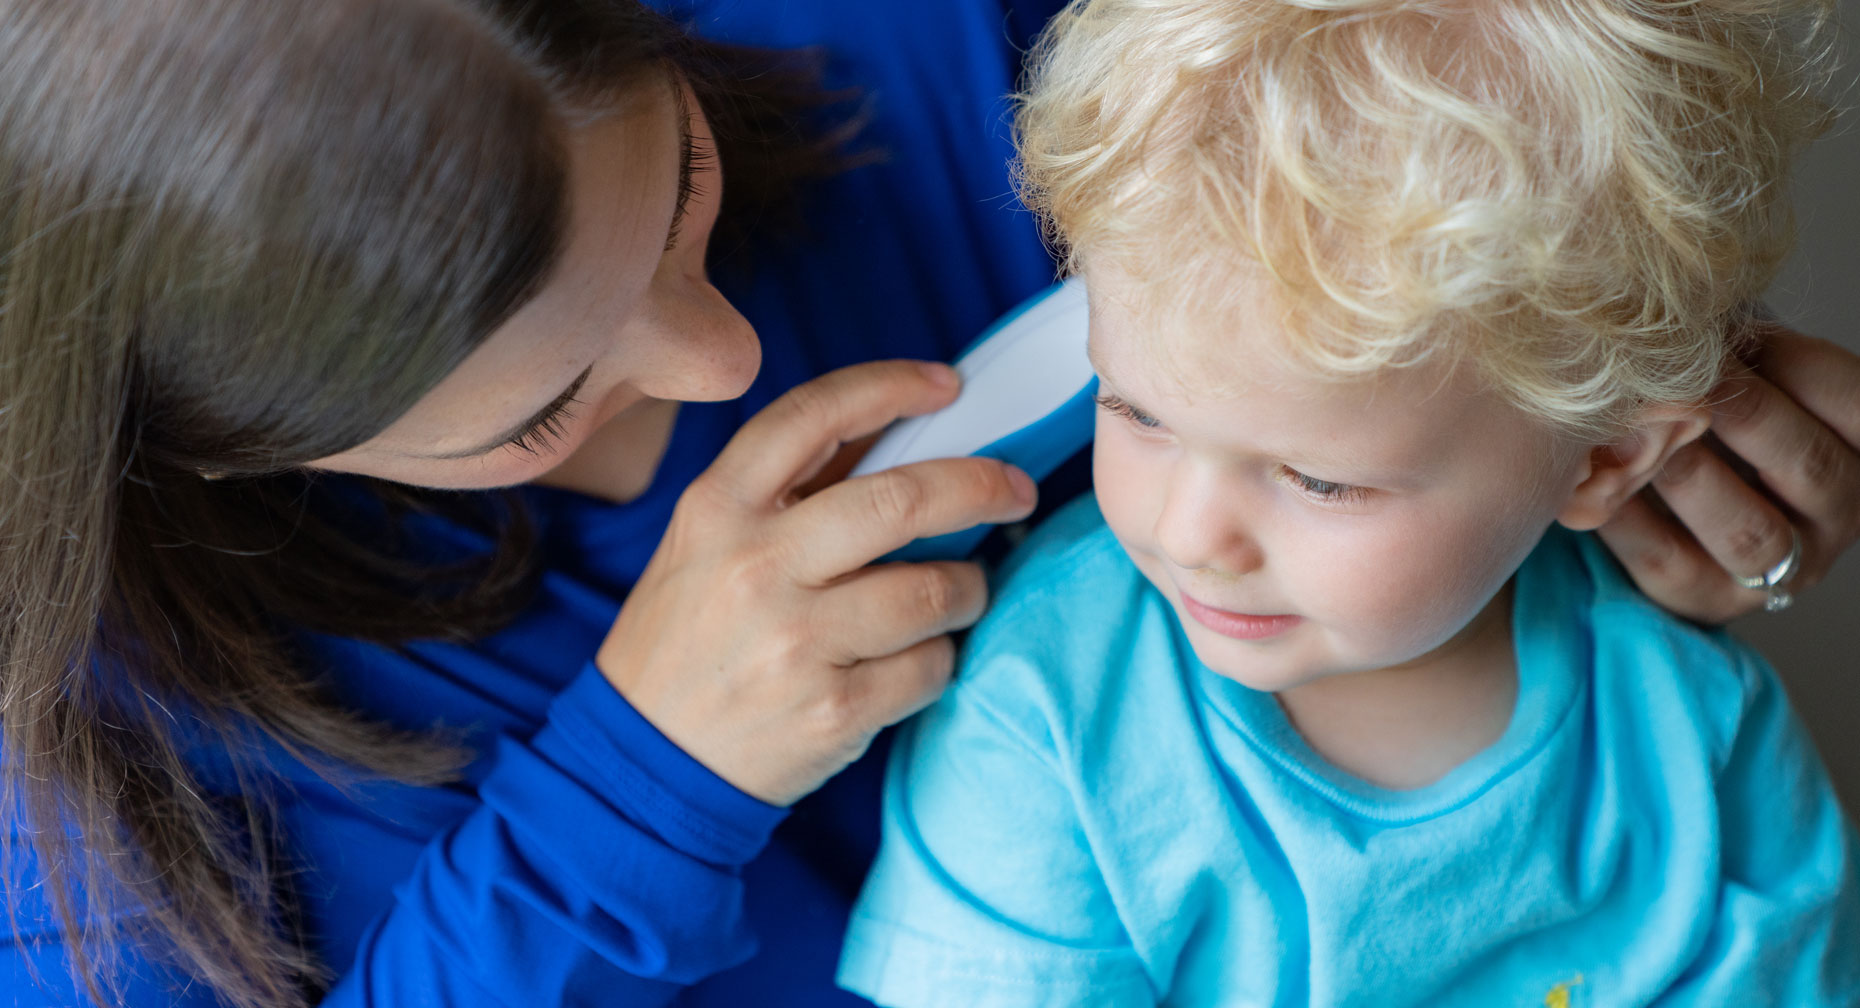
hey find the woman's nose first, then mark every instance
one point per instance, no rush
(1203, 524)
(698, 347)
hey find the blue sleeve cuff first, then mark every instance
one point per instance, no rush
(594, 733)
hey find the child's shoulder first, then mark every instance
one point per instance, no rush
(1074, 541)
(1069, 612)
(1070, 572)
(1643, 654)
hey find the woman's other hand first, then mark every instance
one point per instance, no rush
(757, 639)
(1786, 454)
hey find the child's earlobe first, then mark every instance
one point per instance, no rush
(1619, 469)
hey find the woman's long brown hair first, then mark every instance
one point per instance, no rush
(237, 235)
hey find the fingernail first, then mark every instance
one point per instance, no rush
(941, 374)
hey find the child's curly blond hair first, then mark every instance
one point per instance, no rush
(1581, 196)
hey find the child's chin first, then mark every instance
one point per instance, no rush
(1254, 672)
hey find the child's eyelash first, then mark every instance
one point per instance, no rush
(1118, 407)
(1334, 493)
(1342, 493)
(541, 435)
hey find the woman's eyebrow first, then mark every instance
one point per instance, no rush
(536, 420)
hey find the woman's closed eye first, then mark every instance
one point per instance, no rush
(543, 433)
(695, 157)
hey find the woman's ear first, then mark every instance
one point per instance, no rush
(1619, 469)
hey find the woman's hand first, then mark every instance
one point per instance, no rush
(756, 639)
(1793, 424)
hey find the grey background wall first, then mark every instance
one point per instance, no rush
(1815, 645)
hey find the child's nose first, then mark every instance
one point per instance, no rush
(1203, 525)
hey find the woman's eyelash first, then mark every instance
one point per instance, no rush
(542, 434)
(1118, 407)
(1325, 489)
(694, 158)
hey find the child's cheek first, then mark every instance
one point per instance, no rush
(1128, 485)
(1384, 591)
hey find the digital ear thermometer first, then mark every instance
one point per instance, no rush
(1026, 398)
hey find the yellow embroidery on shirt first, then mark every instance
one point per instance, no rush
(1559, 995)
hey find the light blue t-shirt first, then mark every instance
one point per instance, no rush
(1091, 817)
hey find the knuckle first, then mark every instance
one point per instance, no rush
(839, 713)
(1755, 542)
(977, 485)
(936, 594)
(898, 498)
(1660, 558)
(747, 577)
(811, 404)
(1825, 462)
(791, 647)
(710, 494)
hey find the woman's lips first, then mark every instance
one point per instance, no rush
(1241, 626)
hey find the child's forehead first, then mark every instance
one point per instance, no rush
(1205, 335)
(1237, 351)
(1217, 365)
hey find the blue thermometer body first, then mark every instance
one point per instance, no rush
(1026, 398)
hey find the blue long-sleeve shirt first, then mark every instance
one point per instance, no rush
(584, 858)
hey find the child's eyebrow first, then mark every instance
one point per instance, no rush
(1108, 384)
(1091, 354)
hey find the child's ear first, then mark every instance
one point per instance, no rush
(1618, 470)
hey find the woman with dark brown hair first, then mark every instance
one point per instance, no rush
(287, 719)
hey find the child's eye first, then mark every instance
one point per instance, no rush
(1119, 408)
(1323, 489)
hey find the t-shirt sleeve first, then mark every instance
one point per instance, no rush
(1788, 917)
(602, 867)
(985, 892)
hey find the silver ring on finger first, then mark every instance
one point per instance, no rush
(1771, 581)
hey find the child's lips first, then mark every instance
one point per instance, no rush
(1241, 626)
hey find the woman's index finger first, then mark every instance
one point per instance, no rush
(786, 444)
(850, 524)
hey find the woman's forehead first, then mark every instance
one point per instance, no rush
(623, 169)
